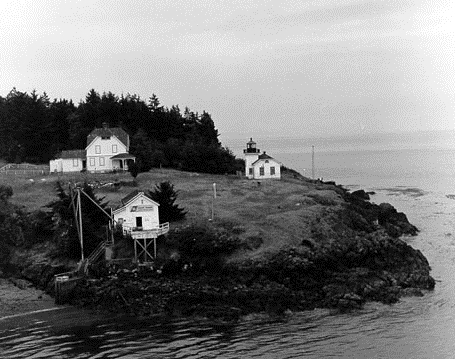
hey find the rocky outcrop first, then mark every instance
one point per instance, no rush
(351, 254)
(361, 194)
(396, 223)
(342, 275)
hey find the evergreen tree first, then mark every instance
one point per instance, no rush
(34, 129)
(141, 147)
(165, 194)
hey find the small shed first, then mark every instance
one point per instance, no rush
(139, 217)
(69, 161)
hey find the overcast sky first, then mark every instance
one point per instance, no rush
(261, 68)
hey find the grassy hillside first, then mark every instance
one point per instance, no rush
(267, 215)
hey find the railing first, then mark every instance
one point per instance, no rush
(66, 282)
(135, 232)
(95, 254)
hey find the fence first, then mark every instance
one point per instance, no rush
(24, 172)
(24, 169)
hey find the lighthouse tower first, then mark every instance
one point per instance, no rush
(251, 154)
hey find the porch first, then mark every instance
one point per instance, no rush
(120, 161)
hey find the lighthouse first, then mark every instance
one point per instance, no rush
(260, 166)
(251, 154)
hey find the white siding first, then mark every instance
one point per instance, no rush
(66, 165)
(249, 159)
(141, 207)
(55, 165)
(106, 148)
(267, 165)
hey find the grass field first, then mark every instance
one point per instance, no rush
(278, 212)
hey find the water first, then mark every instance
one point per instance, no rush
(415, 174)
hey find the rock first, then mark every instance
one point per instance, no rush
(361, 194)
(411, 292)
(395, 223)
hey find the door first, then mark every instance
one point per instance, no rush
(139, 222)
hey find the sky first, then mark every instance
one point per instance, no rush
(260, 68)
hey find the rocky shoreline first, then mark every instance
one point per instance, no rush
(358, 256)
(291, 283)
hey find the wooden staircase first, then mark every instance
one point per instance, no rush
(93, 257)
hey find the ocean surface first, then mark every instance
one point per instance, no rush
(415, 172)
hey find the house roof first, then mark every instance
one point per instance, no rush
(122, 156)
(264, 157)
(132, 196)
(108, 132)
(125, 200)
(72, 154)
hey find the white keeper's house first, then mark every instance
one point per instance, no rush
(260, 166)
(107, 150)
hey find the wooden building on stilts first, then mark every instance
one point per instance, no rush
(139, 218)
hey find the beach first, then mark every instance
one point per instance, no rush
(17, 296)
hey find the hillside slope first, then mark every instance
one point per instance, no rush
(305, 244)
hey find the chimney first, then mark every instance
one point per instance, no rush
(105, 125)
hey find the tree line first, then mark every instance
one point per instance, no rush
(35, 129)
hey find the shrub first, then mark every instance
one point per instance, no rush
(65, 229)
(6, 193)
(203, 248)
(133, 169)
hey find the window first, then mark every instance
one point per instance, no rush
(272, 171)
(92, 161)
(97, 149)
(261, 171)
(120, 221)
(101, 161)
(114, 148)
(105, 138)
(75, 162)
(251, 171)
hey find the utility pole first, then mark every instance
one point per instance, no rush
(312, 161)
(213, 200)
(80, 222)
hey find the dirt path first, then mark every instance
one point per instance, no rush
(17, 297)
